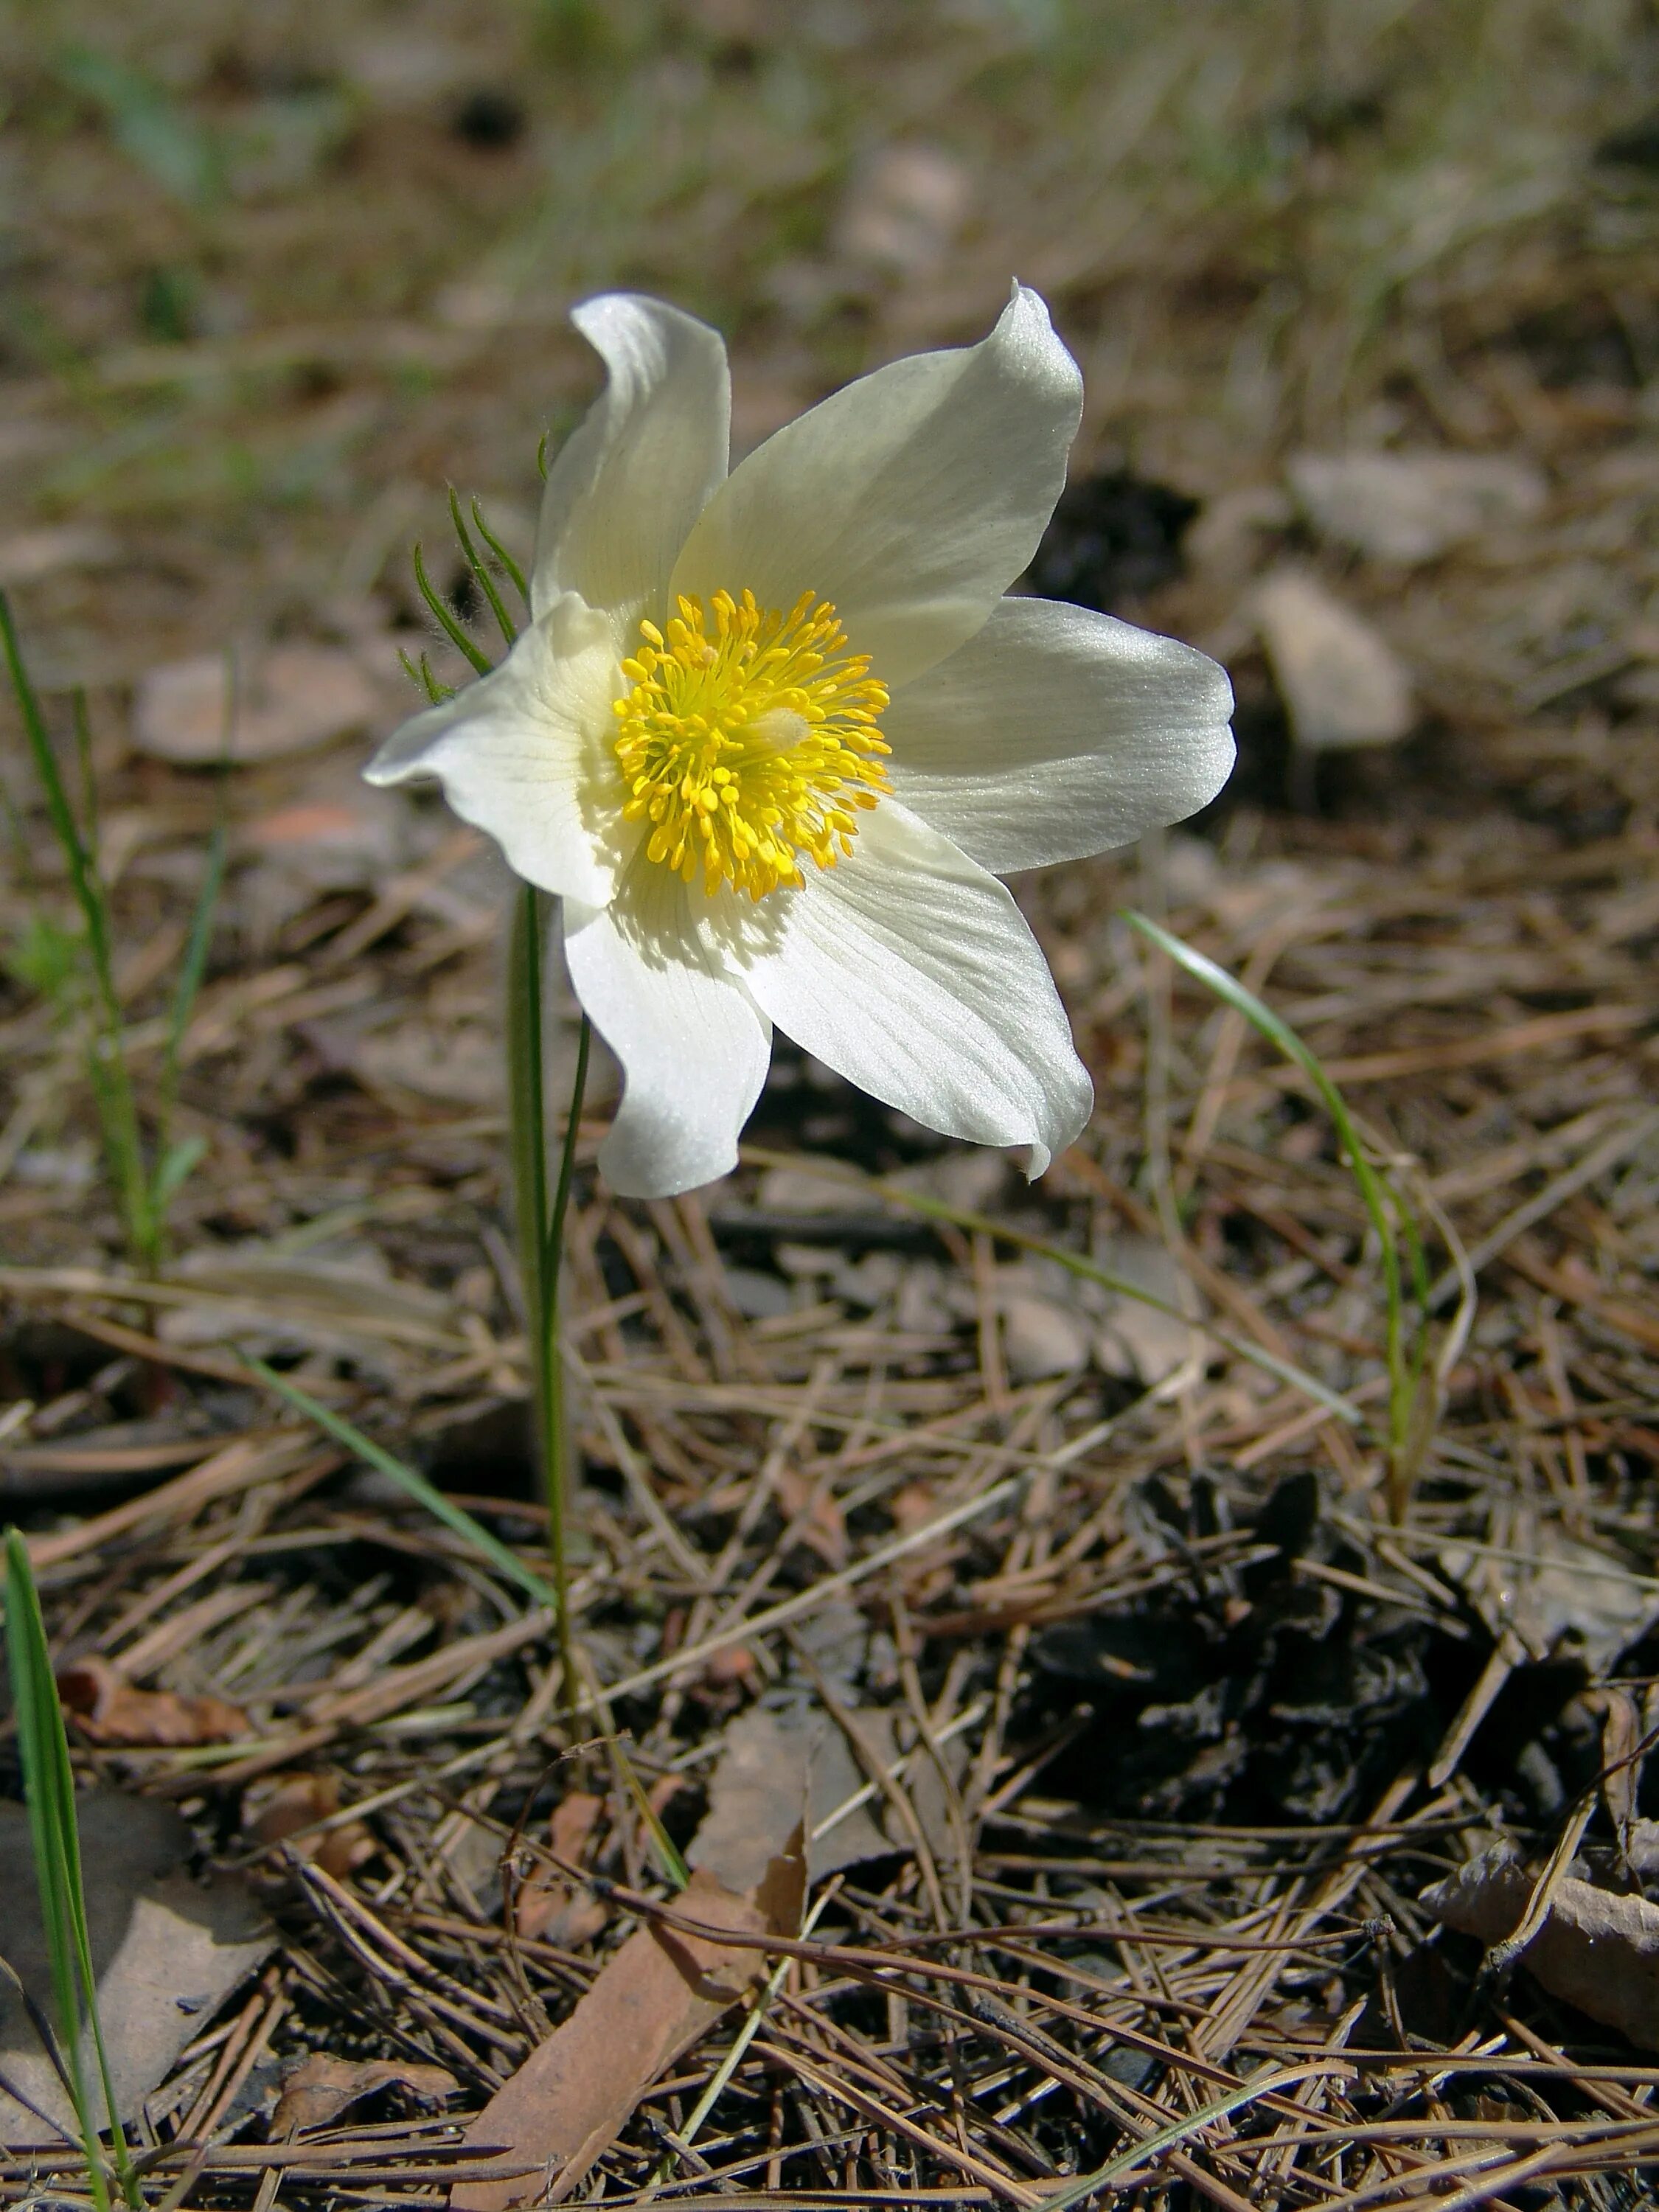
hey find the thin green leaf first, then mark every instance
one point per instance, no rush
(192, 967)
(48, 1788)
(504, 1561)
(90, 832)
(480, 568)
(194, 964)
(443, 616)
(555, 1247)
(58, 810)
(117, 1118)
(1372, 1193)
(1277, 1032)
(148, 125)
(1178, 2131)
(673, 1866)
(423, 679)
(509, 564)
(119, 1113)
(176, 1165)
(54, 1837)
(46, 959)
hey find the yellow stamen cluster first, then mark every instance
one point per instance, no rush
(749, 742)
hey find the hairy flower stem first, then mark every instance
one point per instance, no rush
(541, 1239)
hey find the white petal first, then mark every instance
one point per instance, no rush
(693, 1046)
(637, 472)
(911, 971)
(912, 499)
(1056, 732)
(524, 753)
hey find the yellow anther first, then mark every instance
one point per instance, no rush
(746, 738)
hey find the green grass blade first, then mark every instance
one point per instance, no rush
(173, 1169)
(54, 1837)
(1372, 1193)
(673, 1866)
(1178, 2131)
(48, 1788)
(504, 1560)
(1262, 1019)
(91, 834)
(194, 967)
(446, 620)
(480, 568)
(117, 1112)
(65, 827)
(150, 126)
(174, 1161)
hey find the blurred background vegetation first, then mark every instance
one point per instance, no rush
(273, 273)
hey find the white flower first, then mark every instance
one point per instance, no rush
(772, 736)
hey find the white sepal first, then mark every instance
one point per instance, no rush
(632, 477)
(522, 754)
(693, 1046)
(910, 969)
(1056, 732)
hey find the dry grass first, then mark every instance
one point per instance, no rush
(1188, 1766)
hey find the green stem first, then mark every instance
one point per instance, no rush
(556, 1426)
(524, 1022)
(541, 1242)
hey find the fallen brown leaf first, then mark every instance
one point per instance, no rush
(548, 1906)
(780, 1772)
(319, 2088)
(109, 1710)
(286, 701)
(168, 1950)
(777, 1770)
(1578, 1596)
(653, 2001)
(278, 1806)
(1596, 1950)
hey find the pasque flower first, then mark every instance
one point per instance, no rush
(773, 736)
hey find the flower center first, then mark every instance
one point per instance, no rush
(751, 744)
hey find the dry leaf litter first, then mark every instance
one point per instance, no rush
(1080, 1773)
